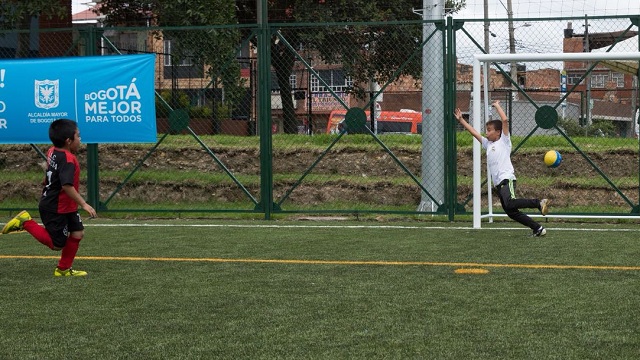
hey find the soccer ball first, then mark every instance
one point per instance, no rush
(552, 159)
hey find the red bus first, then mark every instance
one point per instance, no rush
(388, 122)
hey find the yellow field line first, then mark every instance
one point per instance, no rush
(338, 262)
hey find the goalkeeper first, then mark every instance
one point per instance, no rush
(497, 143)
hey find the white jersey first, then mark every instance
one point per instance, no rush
(499, 158)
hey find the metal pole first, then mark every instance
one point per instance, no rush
(563, 91)
(559, 56)
(93, 163)
(487, 50)
(588, 78)
(477, 181)
(486, 26)
(636, 127)
(512, 50)
(309, 101)
(372, 109)
(264, 111)
(433, 111)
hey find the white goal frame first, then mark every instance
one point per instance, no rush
(480, 63)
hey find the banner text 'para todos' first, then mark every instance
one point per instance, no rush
(110, 97)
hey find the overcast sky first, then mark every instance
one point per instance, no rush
(550, 8)
(78, 6)
(533, 36)
(522, 8)
(530, 36)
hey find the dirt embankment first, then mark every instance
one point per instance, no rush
(360, 177)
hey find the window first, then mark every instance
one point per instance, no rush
(199, 97)
(292, 81)
(169, 53)
(618, 78)
(599, 80)
(180, 65)
(274, 82)
(336, 80)
(125, 43)
(244, 56)
(572, 79)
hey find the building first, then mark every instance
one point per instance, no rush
(40, 44)
(610, 91)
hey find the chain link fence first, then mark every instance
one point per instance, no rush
(341, 124)
(595, 104)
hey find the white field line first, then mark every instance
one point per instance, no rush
(390, 227)
(343, 262)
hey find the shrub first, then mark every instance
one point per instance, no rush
(598, 128)
(200, 112)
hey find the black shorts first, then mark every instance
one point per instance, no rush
(59, 226)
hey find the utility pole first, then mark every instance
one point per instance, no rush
(512, 50)
(487, 32)
(433, 111)
(487, 50)
(588, 77)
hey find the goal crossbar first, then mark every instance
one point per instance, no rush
(481, 59)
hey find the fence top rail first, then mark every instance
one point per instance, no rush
(481, 19)
(558, 56)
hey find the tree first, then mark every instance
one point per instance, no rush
(18, 14)
(216, 48)
(213, 48)
(365, 53)
(126, 12)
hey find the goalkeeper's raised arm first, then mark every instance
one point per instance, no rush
(458, 114)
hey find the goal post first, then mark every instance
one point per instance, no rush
(481, 59)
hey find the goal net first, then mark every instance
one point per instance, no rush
(546, 117)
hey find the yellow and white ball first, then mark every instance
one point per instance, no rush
(552, 159)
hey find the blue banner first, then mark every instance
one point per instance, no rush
(112, 98)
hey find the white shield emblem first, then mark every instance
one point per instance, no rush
(46, 92)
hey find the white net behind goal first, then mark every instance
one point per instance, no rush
(479, 117)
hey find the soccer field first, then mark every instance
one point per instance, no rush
(192, 289)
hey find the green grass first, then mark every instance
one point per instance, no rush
(360, 141)
(408, 142)
(273, 297)
(196, 177)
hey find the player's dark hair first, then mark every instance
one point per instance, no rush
(60, 130)
(495, 124)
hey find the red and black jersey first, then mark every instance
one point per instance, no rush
(62, 169)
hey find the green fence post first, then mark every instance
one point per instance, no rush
(449, 102)
(93, 176)
(264, 111)
(451, 125)
(636, 209)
